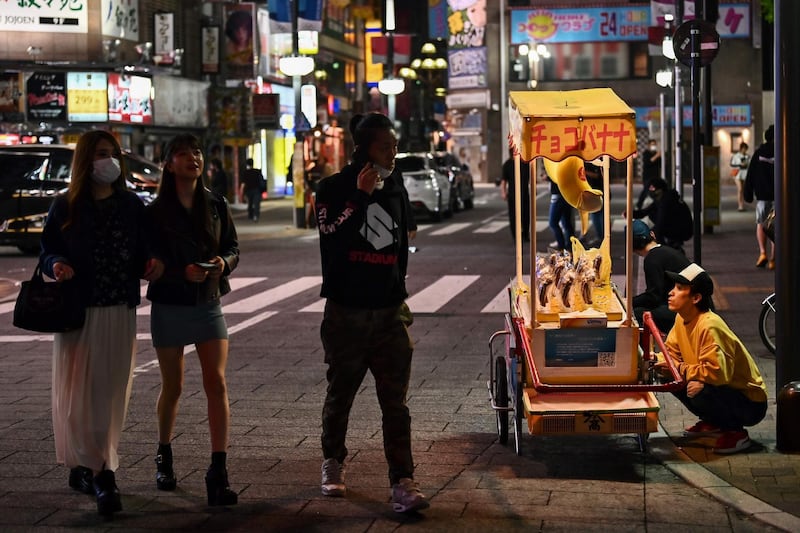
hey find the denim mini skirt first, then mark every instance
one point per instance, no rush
(182, 325)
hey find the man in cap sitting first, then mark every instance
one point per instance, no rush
(657, 261)
(724, 387)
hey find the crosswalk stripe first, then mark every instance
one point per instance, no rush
(236, 284)
(451, 228)
(491, 227)
(435, 296)
(499, 303)
(271, 296)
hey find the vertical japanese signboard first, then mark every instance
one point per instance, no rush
(87, 97)
(120, 18)
(209, 46)
(164, 37)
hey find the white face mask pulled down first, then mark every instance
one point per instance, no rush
(106, 170)
(383, 173)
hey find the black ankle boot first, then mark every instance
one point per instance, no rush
(81, 479)
(218, 488)
(165, 476)
(108, 497)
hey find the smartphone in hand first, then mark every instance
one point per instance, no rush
(206, 265)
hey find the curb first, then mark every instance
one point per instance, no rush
(664, 449)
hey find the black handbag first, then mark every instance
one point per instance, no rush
(48, 307)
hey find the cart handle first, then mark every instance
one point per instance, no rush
(676, 384)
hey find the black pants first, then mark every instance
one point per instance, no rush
(253, 203)
(724, 407)
(357, 340)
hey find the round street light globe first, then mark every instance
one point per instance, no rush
(296, 65)
(391, 86)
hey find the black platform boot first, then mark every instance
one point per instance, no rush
(108, 497)
(165, 476)
(217, 486)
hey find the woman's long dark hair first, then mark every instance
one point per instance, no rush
(80, 182)
(362, 129)
(168, 195)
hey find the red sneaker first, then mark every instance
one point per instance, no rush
(701, 429)
(732, 442)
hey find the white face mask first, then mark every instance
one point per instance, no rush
(383, 173)
(106, 170)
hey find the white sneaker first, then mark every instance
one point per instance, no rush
(333, 478)
(406, 496)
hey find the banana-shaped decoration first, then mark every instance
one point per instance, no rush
(570, 177)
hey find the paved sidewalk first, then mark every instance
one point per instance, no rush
(761, 481)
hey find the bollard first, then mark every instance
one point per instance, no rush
(787, 424)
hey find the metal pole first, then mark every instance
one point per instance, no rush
(787, 205)
(662, 108)
(503, 70)
(678, 139)
(298, 159)
(697, 182)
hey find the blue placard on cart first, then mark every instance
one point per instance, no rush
(581, 347)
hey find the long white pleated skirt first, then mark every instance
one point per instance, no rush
(92, 376)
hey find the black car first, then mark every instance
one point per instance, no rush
(31, 175)
(462, 194)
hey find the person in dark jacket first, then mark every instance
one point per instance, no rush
(760, 183)
(363, 224)
(508, 192)
(657, 261)
(95, 234)
(197, 240)
(672, 222)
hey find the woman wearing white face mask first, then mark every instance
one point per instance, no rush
(95, 234)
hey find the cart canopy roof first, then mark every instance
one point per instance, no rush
(586, 123)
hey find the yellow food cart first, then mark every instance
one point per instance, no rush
(575, 360)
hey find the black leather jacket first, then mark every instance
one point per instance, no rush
(176, 245)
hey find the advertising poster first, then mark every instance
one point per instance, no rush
(46, 96)
(231, 111)
(9, 94)
(87, 97)
(238, 52)
(129, 99)
(467, 68)
(466, 21)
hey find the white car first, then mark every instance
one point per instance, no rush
(428, 189)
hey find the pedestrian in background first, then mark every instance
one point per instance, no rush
(363, 226)
(95, 233)
(217, 178)
(197, 240)
(562, 218)
(657, 260)
(594, 177)
(651, 168)
(507, 191)
(739, 163)
(251, 188)
(760, 183)
(671, 217)
(724, 387)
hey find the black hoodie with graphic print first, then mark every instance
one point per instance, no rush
(363, 240)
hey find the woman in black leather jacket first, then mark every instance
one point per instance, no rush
(196, 239)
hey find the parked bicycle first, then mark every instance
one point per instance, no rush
(766, 322)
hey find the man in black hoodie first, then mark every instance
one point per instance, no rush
(363, 221)
(760, 182)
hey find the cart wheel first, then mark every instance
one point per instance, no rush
(501, 397)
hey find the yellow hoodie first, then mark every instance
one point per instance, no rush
(706, 350)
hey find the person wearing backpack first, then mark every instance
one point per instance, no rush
(671, 217)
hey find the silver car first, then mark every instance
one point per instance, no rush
(428, 189)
